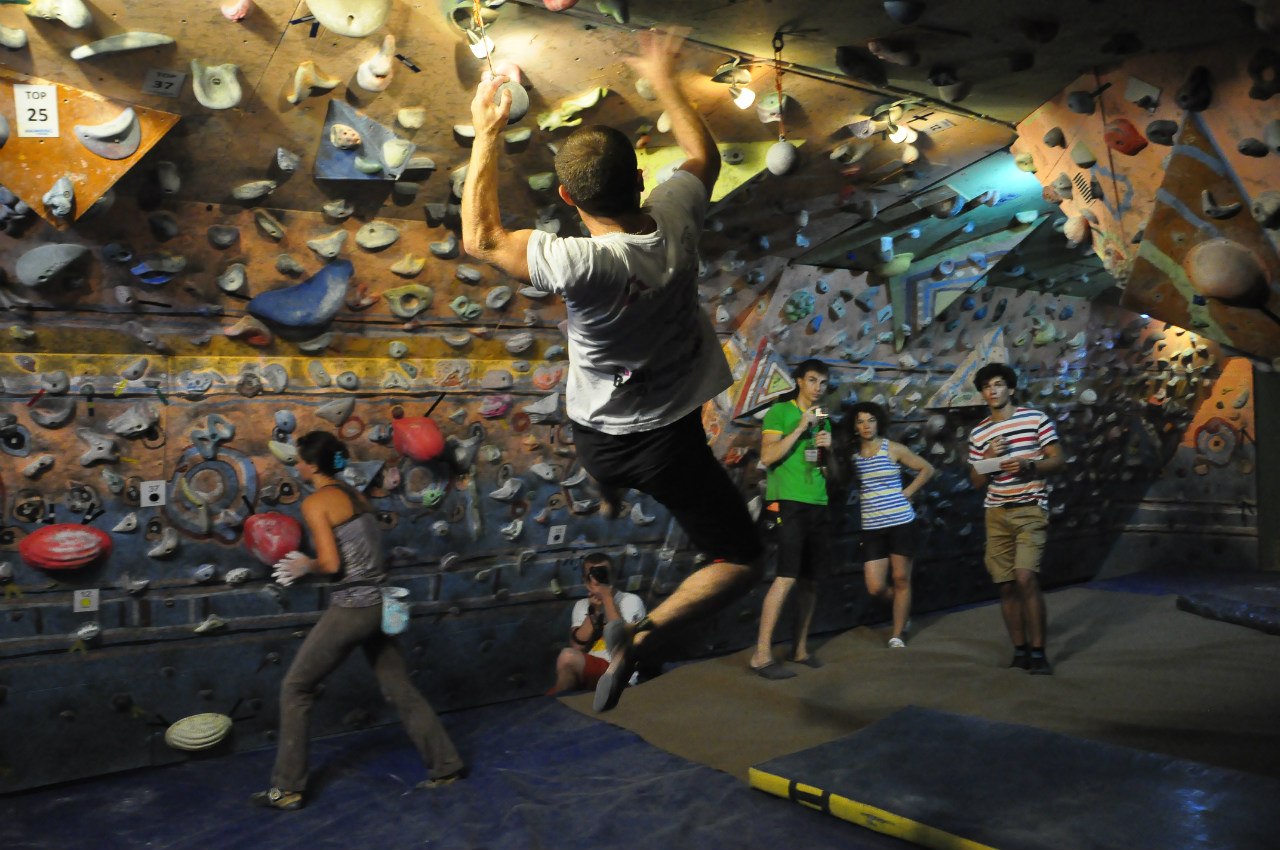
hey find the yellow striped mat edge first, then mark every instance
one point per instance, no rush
(861, 814)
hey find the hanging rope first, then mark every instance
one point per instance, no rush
(777, 82)
(477, 22)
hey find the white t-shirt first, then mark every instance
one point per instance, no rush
(630, 606)
(642, 353)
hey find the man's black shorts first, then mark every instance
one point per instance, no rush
(804, 540)
(675, 466)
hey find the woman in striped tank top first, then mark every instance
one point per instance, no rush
(888, 520)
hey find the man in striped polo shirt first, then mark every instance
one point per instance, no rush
(1017, 507)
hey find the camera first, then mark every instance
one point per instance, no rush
(600, 575)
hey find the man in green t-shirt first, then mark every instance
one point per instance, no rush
(795, 446)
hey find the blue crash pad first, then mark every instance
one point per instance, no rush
(947, 781)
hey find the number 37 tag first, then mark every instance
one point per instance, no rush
(37, 111)
(164, 83)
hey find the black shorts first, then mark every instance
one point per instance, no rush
(675, 466)
(880, 543)
(804, 540)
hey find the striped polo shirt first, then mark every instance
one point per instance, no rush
(1027, 433)
(880, 490)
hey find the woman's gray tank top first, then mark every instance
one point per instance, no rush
(360, 548)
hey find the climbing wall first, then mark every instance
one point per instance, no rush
(1167, 171)
(1154, 423)
(239, 279)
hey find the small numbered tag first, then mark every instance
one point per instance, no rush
(37, 111)
(164, 83)
(811, 455)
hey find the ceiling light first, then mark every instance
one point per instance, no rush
(902, 135)
(742, 97)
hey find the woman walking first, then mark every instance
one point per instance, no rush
(888, 520)
(345, 534)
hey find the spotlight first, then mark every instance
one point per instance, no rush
(902, 135)
(742, 97)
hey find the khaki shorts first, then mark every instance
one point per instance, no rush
(1015, 540)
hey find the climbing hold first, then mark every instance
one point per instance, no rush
(222, 235)
(307, 77)
(1121, 136)
(1252, 147)
(446, 249)
(253, 190)
(1196, 92)
(310, 304)
(47, 264)
(1266, 210)
(409, 265)
(328, 246)
(1081, 102)
(215, 86)
(376, 234)
(417, 437)
(234, 279)
(60, 198)
(269, 225)
(374, 74)
(1210, 207)
(352, 18)
(1264, 69)
(1226, 270)
(117, 138)
(903, 11)
(344, 137)
(271, 536)
(64, 546)
(73, 13)
(1082, 156)
(409, 300)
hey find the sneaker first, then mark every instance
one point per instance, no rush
(1021, 661)
(897, 643)
(618, 641)
(906, 627)
(441, 781)
(278, 798)
(1039, 665)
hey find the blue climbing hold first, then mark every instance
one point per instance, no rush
(1066, 312)
(310, 304)
(981, 313)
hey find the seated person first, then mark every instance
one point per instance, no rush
(581, 665)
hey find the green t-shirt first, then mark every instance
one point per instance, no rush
(793, 478)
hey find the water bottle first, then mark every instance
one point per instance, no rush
(820, 415)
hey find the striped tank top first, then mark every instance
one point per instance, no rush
(880, 486)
